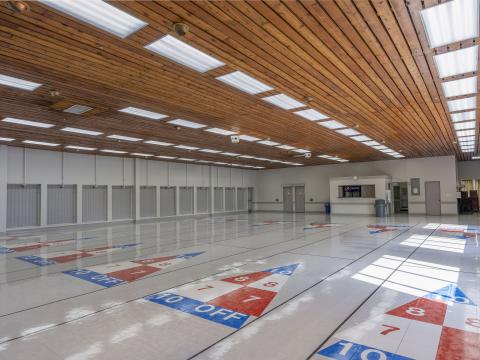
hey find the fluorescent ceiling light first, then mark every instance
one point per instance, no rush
(462, 104)
(343, 160)
(475, 157)
(387, 151)
(467, 143)
(27, 123)
(141, 154)
(283, 101)
(463, 116)
(100, 14)
(332, 124)
(31, 142)
(166, 157)
(18, 83)
(248, 138)
(468, 150)
(466, 133)
(379, 147)
(184, 54)
(186, 159)
(75, 147)
(82, 131)
(348, 132)
(286, 147)
(460, 87)
(220, 131)
(302, 151)
(268, 142)
(244, 82)
(398, 156)
(210, 151)
(203, 161)
(464, 125)
(230, 154)
(246, 156)
(451, 22)
(311, 114)
(159, 143)
(121, 137)
(6, 139)
(361, 138)
(466, 138)
(186, 123)
(457, 62)
(78, 109)
(113, 151)
(259, 167)
(372, 143)
(325, 156)
(220, 163)
(186, 147)
(143, 113)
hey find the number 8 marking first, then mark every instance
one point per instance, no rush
(415, 311)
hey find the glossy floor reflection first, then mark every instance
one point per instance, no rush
(246, 286)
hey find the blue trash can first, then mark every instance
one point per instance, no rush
(327, 208)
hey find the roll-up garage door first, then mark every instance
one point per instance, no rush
(148, 201)
(186, 200)
(94, 203)
(218, 199)
(122, 202)
(242, 199)
(229, 199)
(61, 204)
(203, 200)
(23, 205)
(167, 201)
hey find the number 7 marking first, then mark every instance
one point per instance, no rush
(389, 329)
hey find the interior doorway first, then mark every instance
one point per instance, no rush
(400, 197)
(288, 198)
(432, 198)
(299, 199)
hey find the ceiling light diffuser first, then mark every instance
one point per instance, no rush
(268, 142)
(464, 116)
(244, 82)
(464, 125)
(186, 123)
(311, 114)
(220, 131)
(166, 157)
(159, 143)
(84, 148)
(100, 14)
(210, 151)
(27, 123)
(126, 138)
(41, 143)
(184, 54)
(457, 62)
(475, 157)
(301, 151)
(283, 101)
(286, 147)
(466, 138)
(332, 124)
(372, 143)
(141, 154)
(465, 133)
(248, 138)
(460, 87)
(186, 159)
(113, 151)
(6, 139)
(143, 113)
(361, 138)
(379, 147)
(348, 132)
(82, 131)
(186, 147)
(462, 104)
(230, 154)
(18, 83)
(77, 109)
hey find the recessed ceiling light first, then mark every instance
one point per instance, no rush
(372, 143)
(343, 160)
(311, 114)
(100, 14)
(457, 62)
(462, 104)
(379, 147)
(325, 156)
(464, 125)
(244, 82)
(259, 167)
(77, 109)
(246, 156)
(398, 156)
(466, 138)
(220, 163)
(143, 113)
(286, 147)
(301, 151)
(466, 133)
(348, 132)
(141, 154)
(6, 139)
(184, 54)
(283, 101)
(203, 161)
(463, 116)
(186, 123)
(387, 151)
(82, 131)
(166, 157)
(210, 151)
(460, 87)
(186, 159)
(451, 22)
(331, 124)
(186, 147)
(31, 142)
(113, 151)
(18, 83)
(230, 154)
(84, 148)
(248, 138)
(159, 143)
(27, 123)
(268, 142)
(220, 131)
(121, 137)
(361, 138)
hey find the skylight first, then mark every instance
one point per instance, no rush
(210, 151)
(186, 123)
(113, 151)
(82, 131)
(141, 154)
(166, 157)
(379, 147)
(6, 139)
(248, 138)
(466, 138)
(457, 62)
(268, 142)
(372, 143)
(466, 133)
(41, 143)
(460, 87)
(451, 22)
(230, 154)
(463, 116)
(18, 83)
(332, 124)
(100, 14)
(348, 132)
(126, 138)
(27, 123)
(186, 147)
(464, 125)
(84, 148)
(220, 131)
(467, 143)
(462, 104)
(283, 101)
(184, 54)
(143, 113)
(244, 82)
(159, 143)
(311, 114)
(361, 138)
(286, 147)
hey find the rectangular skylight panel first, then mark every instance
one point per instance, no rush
(465, 133)
(100, 14)
(372, 143)
(18, 83)
(462, 104)
(248, 138)
(220, 163)
(468, 150)
(325, 156)
(348, 132)
(84, 148)
(457, 62)
(244, 82)
(246, 156)
(41, 143)
(166, 157)
(301, 151)
(82, 131)
(379, 147)
(230, 154)
(186, 159)
(361, 138)
(286, 147)
(466, 138)
(332, 124)
(6, 139)
(460, 87)
(141, 154)
(467, 143)
(268, 142)
(311, 114)
(283, 101)
(122, 137)
(186, 147)
(464, 116)
(159, 143)
(221, 131)
(113, 151)
(387, 151)
(203, 161)
(464, 125)
(186, 123)
(143, 113)
(27, 123)
(450, 22)
(184, 54)
(210, 151)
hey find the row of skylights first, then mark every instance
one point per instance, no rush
(448, 23)
(333, 158)
(18, 83)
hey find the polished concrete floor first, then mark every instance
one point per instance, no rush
(247, 286)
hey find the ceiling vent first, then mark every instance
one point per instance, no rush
(78, 107)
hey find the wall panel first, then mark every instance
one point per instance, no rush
(167, 201)
(23, 205)
(94, 203)
(61, 204)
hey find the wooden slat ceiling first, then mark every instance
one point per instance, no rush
(364, 63)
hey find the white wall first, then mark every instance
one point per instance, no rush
(31, 166)
(468, 169)
(316, 180)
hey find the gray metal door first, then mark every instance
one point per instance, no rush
(250, 199)
(148, 201)
(167, 201)
(23, 205)
(229, 199)
(203, 200)
(288, 198)
(94, 203)
(300, 199)
(218, 199)
(432, 198)
(186, 200)
(62, 204)
(122, 202)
